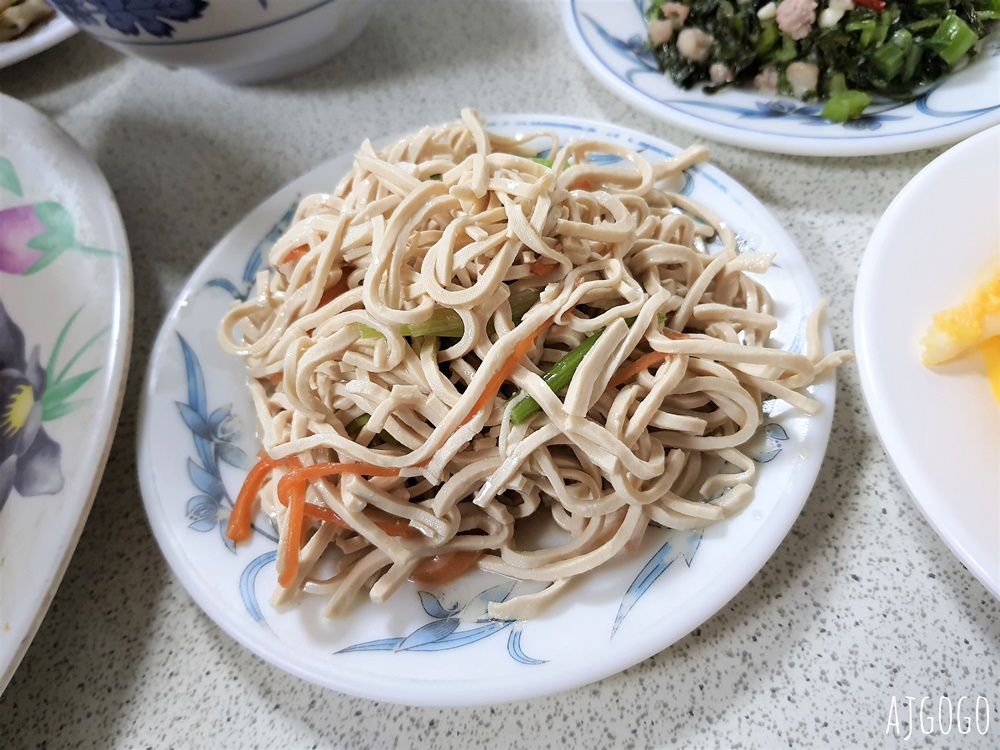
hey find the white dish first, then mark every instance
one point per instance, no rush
(67, 297)
(610, 36)
(236, 41)
(941, 426)
(423, 650)
(47, 35)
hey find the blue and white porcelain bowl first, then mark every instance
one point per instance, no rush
(238, 41)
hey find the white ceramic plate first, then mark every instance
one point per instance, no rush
(65, 331)
(438, 648)
(940, 426)
(610, 37)
(39, 39)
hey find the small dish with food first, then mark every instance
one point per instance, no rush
(502, 388)
(927, 345)
(811, 77)
(29, 27)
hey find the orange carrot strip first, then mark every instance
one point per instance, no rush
(292, 492)
(493, 386)
(292, 541)
(297, 254)
(398, 527)
(582, 185)
(300, 476)
(631, 370)
(389, 524)
(303, 473)
(542, 267)
(334, 291)
(317, 512)
(442, 569)
(241, 517)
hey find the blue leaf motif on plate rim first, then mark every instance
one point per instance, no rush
(215, 435)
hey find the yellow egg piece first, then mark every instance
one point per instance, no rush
(990, 349)
(958, 329)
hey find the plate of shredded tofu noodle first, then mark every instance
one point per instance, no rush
(28, 27)
(489, 411)
(928, 346)
(810, 77)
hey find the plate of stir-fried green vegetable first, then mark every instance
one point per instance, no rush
(817, 77)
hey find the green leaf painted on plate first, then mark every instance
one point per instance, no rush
(58, 385)
(66, 388)
(50, 412)
(79, 352)
(50, 368)
(8, 178)
(59, 237)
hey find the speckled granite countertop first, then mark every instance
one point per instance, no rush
(861, 604)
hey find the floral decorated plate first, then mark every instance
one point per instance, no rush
(940, 426)
(440, 647)
(45, 36)
(610, 38)
(65, 332)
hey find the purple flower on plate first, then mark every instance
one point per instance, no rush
(18, 226)
(29, 458)
(34, 235)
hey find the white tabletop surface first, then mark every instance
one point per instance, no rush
(861, 608)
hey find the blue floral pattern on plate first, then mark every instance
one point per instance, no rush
(129, 16)
(444, 631)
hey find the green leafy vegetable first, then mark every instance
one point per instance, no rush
(885, 50)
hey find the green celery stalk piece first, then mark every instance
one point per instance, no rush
(367, 332)
(354, 429)
(788, 52)
(354, 426)
(446, 323)
(845, 106)
(769, 36)
(560, 374)
(558, 378)
(522, 301)
(953, 39)
(889, 59)
(836, 85)
(924, 24)
(867, 28)
(912, 61)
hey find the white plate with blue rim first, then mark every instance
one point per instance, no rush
(65, 334)
(38, 39)
(439, 647)
(609, 36)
